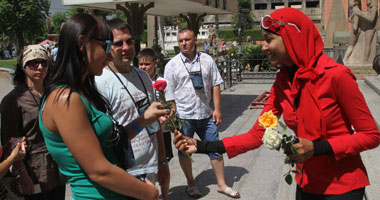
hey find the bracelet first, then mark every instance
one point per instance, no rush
(18, 171)
(163, 162)
(135, 127)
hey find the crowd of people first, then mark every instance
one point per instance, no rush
(59, 120)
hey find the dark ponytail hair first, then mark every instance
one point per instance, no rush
(72, 63)
(19, 73)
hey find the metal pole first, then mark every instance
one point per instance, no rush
(229, 77)
(239, 31)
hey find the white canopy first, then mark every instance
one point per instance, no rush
(164, 7)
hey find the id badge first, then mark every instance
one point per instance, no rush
(196, 79)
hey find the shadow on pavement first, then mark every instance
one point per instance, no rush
(233, 175)
(232, 106)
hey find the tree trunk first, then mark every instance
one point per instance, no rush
(20, 42)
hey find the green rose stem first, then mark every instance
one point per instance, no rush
(173, 122)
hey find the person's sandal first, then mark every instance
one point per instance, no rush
(230, 192)
(192, 191)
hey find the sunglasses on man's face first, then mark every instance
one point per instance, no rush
(106, 46)
(267, 21)
(129, 42)
(33, 64)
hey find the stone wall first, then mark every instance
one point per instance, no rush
(6, 73)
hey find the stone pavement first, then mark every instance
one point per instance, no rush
(256, 174)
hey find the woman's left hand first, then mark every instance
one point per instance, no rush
(305, 150)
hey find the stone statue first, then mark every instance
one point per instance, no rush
(364, 25)
(355, 31)
(212, 34)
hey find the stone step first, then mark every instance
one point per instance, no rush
(370, 157)
(373, 82)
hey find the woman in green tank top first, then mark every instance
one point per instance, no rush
(73, 119)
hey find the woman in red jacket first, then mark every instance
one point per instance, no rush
(320, 101)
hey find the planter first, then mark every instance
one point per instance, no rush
(258, 75)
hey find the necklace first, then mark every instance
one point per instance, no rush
(34, 97)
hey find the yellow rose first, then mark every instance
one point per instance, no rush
(268, 120)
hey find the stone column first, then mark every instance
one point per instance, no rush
(151, 29)
(303, 4)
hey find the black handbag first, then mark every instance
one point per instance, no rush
(121, 145)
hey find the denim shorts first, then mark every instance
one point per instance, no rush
(205, 129)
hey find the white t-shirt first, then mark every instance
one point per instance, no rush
(124, 111)
(191, 103)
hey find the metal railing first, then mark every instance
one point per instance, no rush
(234, 69)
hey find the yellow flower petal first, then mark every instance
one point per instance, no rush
(268, 119)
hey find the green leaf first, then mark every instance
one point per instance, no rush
(169, 126)
(289, 179)
(293, 150)
(167, 105)
(295, 171)
(179, 125)
(283, 133)
(283, 126)
(287, 160)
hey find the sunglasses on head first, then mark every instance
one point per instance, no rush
(129, 42)
(106, 46)
(267, 22)
(33, 64)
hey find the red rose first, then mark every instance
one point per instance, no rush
(159, 85)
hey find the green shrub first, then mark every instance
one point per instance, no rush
(252, 55)
(144, 37)
(231, 35)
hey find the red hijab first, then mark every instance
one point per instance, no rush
(304, 46)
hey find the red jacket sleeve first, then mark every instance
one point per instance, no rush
(251, 140)
(351, 100)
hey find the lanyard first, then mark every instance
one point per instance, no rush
(34, 98)
(198, 60)
(134, 102)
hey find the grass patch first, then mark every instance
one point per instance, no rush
(8, 63)
(171, 53)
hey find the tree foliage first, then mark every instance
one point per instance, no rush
(56, 21)
(247, 20)
(24, 20)
(60, 17)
